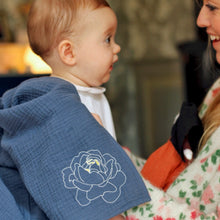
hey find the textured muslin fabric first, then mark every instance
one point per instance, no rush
(56, 161)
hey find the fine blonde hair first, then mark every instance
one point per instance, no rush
(211, 120)
(51, 21)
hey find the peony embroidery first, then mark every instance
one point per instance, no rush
(94, 176)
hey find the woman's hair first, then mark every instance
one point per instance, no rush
(51, 21)
(199, 2)
(211, 120)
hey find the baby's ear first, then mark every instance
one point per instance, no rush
(66, 52)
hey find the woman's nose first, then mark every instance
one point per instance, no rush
(203, 18)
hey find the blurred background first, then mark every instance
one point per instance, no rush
(160, 65)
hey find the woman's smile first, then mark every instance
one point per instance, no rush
(214, 38)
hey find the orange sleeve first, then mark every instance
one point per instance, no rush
(163, 166)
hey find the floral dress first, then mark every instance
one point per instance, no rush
(195, 194)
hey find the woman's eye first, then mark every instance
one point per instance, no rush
(211, 7)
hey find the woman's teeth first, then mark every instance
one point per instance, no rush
(213, 37)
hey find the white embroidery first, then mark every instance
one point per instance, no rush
(94, 176)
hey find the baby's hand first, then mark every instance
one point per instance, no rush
(98, 119)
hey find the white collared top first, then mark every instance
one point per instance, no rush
(96, 102)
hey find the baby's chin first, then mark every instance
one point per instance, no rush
(105, 79)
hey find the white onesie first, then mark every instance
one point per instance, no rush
(96, 102)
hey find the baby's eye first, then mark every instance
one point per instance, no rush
(108, 40)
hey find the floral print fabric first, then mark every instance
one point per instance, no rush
(195, 194)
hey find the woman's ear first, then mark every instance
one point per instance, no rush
(66, 52)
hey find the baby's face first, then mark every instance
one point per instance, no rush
(96, 51)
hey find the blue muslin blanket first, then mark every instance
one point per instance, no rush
(56, 161)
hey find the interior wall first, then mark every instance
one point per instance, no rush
(146, 88)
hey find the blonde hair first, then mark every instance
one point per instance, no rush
(211, 120)
(51, 21)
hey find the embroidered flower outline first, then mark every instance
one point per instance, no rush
(94, 176)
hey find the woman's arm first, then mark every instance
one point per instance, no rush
(195, 194)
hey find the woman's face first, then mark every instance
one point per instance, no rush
(209, 18)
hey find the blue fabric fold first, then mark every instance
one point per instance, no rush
(56, 161)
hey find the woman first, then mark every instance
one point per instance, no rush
(195, 194)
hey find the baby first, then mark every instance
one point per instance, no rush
(56, 161)
(82, 51)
